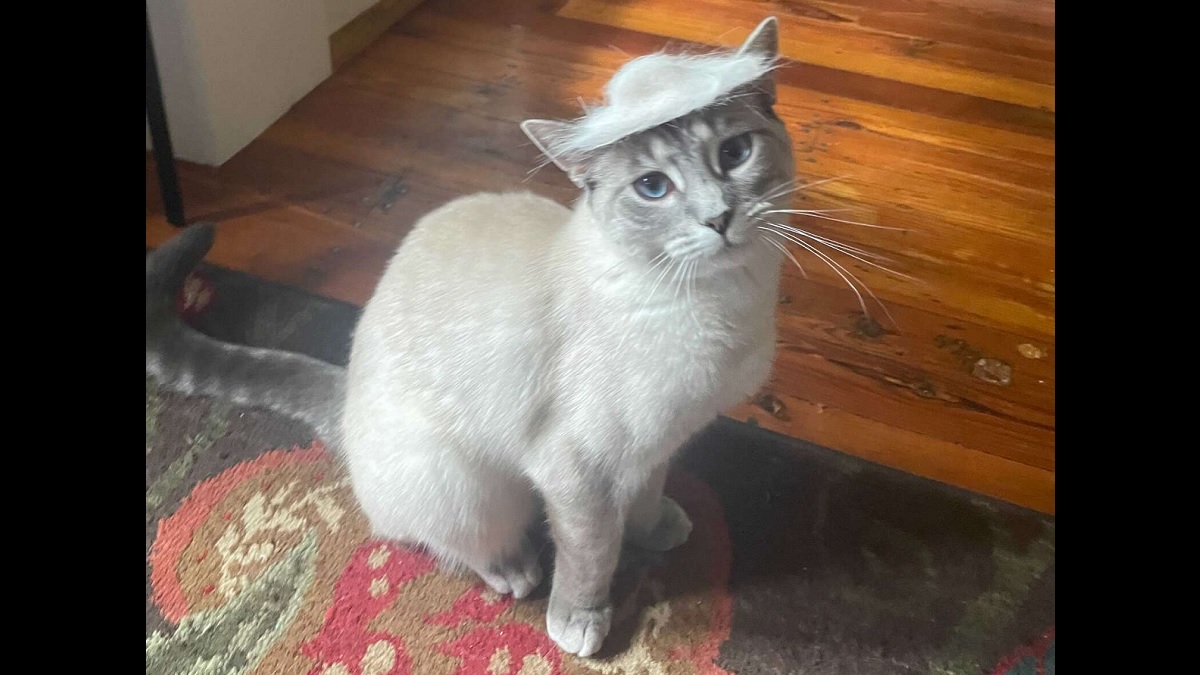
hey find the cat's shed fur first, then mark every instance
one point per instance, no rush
(517, 349)
(654, 89)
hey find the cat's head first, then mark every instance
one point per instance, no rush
(705, 151)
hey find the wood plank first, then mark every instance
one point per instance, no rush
(1012, 212)
(832, 43)
(986, 26)
(913, 452)
(294, 246)
(350, 40)
(929, 26)
(535, 34)
(429, 111)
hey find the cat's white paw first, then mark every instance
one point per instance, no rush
(518, 576)
(578, 630)
(672, 529)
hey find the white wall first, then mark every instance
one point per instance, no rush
(230, 68)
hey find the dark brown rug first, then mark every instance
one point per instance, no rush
(802, 561)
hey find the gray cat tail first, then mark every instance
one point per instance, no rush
(187, 361)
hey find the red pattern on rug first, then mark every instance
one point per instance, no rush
(374, 620)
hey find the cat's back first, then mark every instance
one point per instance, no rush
(469, 248)
(465, 286)
(486, 225)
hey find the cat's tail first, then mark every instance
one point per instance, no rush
(184, 360)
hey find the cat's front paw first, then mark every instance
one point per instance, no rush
(578, 630)
(671, 530)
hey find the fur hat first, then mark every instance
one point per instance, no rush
(655, 89)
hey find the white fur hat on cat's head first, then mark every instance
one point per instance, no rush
(655, 89)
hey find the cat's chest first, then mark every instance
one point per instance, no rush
(658, 367)
(679, 364)
(662, 392)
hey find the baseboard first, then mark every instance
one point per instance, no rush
(349, 40)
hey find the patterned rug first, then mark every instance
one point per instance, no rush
(802, 560)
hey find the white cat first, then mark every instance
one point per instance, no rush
(519, 356)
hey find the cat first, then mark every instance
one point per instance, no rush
(520, 357)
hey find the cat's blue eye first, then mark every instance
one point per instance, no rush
(654, 185)
(734, 152)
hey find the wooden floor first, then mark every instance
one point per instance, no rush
(937, 114)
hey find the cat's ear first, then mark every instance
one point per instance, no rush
(764, 41)
(543, 133)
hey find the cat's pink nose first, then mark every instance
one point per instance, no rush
(721, 222)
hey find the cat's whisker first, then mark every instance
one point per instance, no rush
(767, 193)
(691, 278)
(687, 284)
(765, 203)
(536, 168)
(852, 252)
(833, 243)
(836, 220)
(791, 182)
(837, 267)
(691, 272)
(783, 248)
(785, 188)
(654, 263)
(822, 182)
(657, 280)
(649, 295)
(788, 187)
(844, 273)
(662, 261)
(776, 192)
(804, 211)
(675, 280)
(861, 301)
(738, 97)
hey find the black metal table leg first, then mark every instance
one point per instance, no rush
(160, 137)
